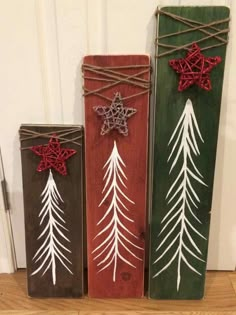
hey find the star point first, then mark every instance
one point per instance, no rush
(53, 156)
(115, 116)
(195, 68)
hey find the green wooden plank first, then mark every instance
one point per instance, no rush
(170, 104)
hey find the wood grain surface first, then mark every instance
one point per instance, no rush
(232, 278)
(70, 188)
(133, 151)
(179, 280)
(220, 299)
(111, 313)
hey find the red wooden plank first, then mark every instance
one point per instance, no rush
(119, 279)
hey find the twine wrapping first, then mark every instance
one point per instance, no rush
(27, 134)
(218, 34)
(112, 76)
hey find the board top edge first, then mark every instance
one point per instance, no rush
(80, 127)
(86, 57)
(227, 8)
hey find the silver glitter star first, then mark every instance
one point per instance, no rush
(115, 116)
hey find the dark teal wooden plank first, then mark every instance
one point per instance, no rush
(169, 107)
(64, 276)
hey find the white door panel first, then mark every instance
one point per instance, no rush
(21, 98)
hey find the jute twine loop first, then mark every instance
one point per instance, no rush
(113, 76)
(26, 134)
(218, 33)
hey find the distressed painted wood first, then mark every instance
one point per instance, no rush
(116, 232)
(54, 254)
(186, 129)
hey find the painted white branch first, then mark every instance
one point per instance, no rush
(182, 193)
(108, 251)
(51, 250)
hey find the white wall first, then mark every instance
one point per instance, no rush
(42, 46)
(21, 97)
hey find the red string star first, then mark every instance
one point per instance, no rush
(194, 69)
(53, 156)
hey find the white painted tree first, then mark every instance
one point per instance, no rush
(116, 239)
(183, 197)
(52, 250)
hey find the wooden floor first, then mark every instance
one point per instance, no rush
(220, 298)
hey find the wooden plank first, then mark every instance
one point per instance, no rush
(186, 129)
(60, 222)
(123, 272)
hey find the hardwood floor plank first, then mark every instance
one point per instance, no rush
(156, 313)
(232, 277)
(112, 313)
(220, 299)
(38, 313)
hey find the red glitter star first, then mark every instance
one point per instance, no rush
(194, 69)
(53, 156)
